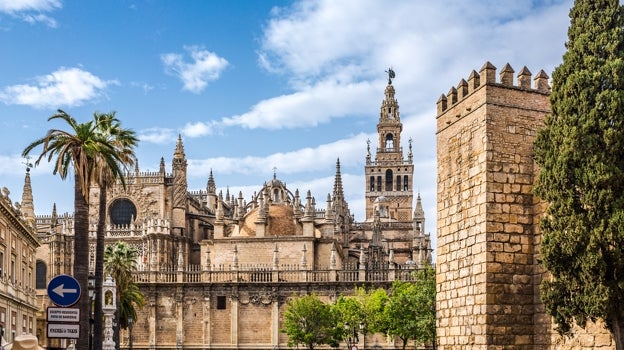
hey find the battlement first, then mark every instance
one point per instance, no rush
(487, 76)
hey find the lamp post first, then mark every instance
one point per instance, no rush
(352, 333)
(130, 324)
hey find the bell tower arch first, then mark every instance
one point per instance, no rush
(389, 174)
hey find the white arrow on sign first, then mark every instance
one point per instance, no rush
(61, 291)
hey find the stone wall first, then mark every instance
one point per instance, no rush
(485, 249)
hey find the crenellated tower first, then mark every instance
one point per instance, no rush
(488, 237)
(389, 175)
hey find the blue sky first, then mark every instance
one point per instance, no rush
(254, 85)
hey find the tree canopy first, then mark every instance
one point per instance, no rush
(82, 148)
(310, 322)
(580, 153)
(120, 260)
(409, 313)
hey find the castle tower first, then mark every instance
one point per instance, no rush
(487, 272)
(178, 217)
(389, 175)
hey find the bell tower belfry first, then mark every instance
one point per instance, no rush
(389, 175)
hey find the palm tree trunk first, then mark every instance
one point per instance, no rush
(81, 260)
(99, 271)
(617, 329)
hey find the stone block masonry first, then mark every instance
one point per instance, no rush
(485, 262)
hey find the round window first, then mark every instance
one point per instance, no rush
(122, 211)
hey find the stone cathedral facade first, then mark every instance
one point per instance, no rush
(217, 269)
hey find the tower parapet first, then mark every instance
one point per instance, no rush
(487, 217)
(465, 90)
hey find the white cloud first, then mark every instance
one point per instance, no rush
(64, 87)
(309, 107)
(31, 11)
(143, 86)
(198, 129)
(297, 161)
(205, 66)
(157, 135)
(12, 6)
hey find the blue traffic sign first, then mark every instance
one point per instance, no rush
(64, 290)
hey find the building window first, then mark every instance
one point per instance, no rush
(388, 180)
(398, 182)
(40, 275)
(372, 183)
(122, 212)
(405, 183)
(221, 302)
(389, 141)
(378, 183)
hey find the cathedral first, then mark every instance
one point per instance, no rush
(217, 269)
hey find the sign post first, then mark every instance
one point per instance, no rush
(63, 321)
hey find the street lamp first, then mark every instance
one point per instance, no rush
(352, 338)
(130, 324)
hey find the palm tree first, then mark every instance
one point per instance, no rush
(80, 149)
(120, 260)
(123, 141)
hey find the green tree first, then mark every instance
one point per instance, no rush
(580, 153)
(310, 322)
(77, 149)
(409, 313)
(120, 261)
(373, 305)
(350, 317)
(123, 142)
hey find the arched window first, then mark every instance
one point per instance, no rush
(122, 212)
(405, 183)
(389, 141)
(41, 271)
(398, 182)
(388, 180)
(378, 183)
(275, 195)
(372, 183)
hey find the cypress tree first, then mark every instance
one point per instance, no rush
(580, 152)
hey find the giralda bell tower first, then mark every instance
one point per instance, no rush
(389, 177)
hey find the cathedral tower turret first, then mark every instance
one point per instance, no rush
(389, 175)
(179, 189)
(211, 193)
(27, 205)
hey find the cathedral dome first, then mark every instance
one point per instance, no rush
(280, 221)
(380, 200)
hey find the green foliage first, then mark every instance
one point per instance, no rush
(373, 304)
(409, 313)
(580, 152)
(120, 261)
(310, 322)
(87, 150)
(350, 317)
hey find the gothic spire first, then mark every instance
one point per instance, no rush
(338, 191)
(28, 208)
(179, 151)
(211, 187)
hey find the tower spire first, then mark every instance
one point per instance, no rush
(28, 208)
(338, 191)
(211, 187)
